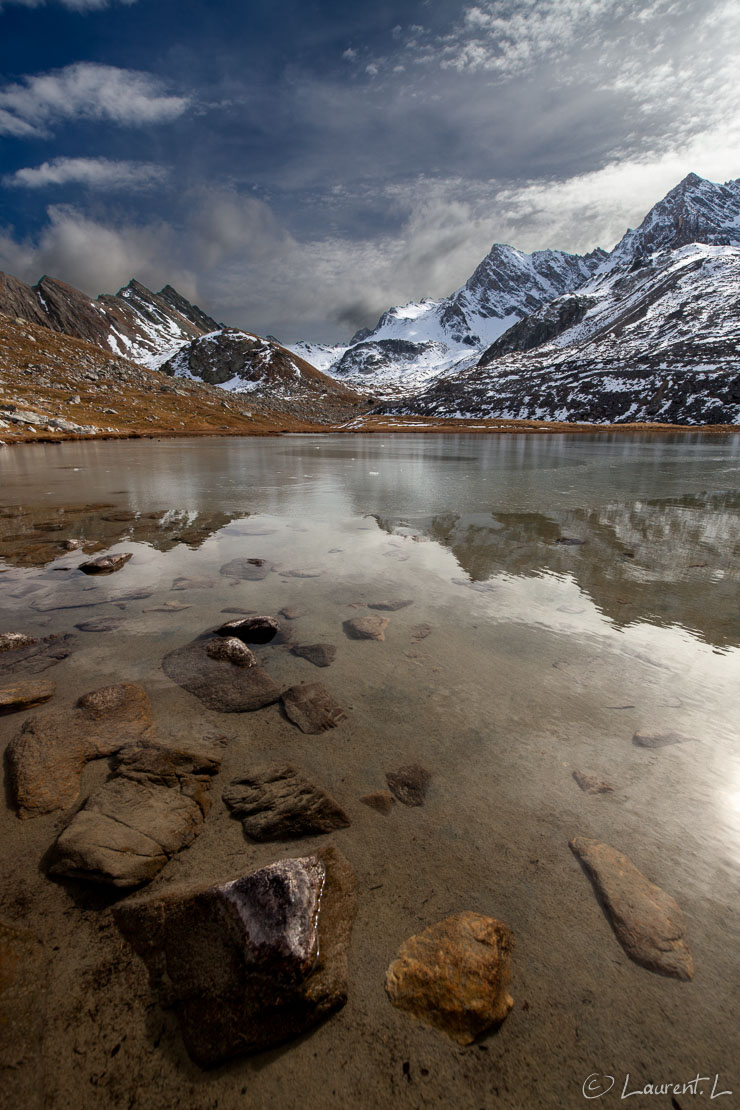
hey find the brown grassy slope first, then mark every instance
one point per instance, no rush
(43, 371)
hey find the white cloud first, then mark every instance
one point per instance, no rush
(95, 173)
(86, 90)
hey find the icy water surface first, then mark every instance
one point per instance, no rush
(521, 659)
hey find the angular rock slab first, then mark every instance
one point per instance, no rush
(648, 922)
(312, 708)
(37, 656)
(45, 759)
(660, 739)
(366, 628)
(409, 784)
(249, 963)
(25, 693)
(321, 655)
(455, 975)
(154, 805)
(218, 683)
(277, 803)
(106, 564)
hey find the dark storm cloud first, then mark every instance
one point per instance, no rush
(320, 163)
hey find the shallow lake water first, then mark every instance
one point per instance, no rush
(521, 659)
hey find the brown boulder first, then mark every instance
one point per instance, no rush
(154, 805)
(277, 803)
(251, 962)
(455, 975)
(25, 693)
(45, 759)
(648, 922)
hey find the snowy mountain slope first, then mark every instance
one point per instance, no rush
(136, 323)
(658, 342)
(417, 342)
(240, 362)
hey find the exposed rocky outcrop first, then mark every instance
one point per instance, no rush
(45, 759)
(279, 803)
(455, 975)
(154, 804)
(648, 923)
(251, 962)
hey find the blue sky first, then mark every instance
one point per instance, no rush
(298, 167)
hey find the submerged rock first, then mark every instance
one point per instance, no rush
(389, 606)
(321, 655)
(228, 689)
(277, 803)
(45, 759)
(312, 708)
(231, 650)
(409, 784)
(292, 612)
(302, 572)
(455, 975)
(660, 739)
(366, 628)
(380, 800)
(106, 564)
(25, 693)
(252, 962)
(648, 922)
(251, 570)
(589, 784)
(252, 630)
(35, 657)
(101, 624)
(184, 583)
(154, 805)
(569, 541)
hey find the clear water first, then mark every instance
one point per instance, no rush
(520, 660)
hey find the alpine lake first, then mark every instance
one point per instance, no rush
(564, 594)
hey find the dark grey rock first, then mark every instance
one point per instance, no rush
(251, 962)
(252, 630)
(277, 803)
(226, 688)
(106, 564)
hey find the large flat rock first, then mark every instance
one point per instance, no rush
(217, 682)
(280, 802)
(250, 962)
(455, 975)
(648, 922)
(154, 804)
(45, 759)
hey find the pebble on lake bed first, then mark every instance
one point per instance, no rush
(455, 975)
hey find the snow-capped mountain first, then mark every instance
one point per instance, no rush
(143, 326)
(654, 334)
(241, 362)
(417, 342)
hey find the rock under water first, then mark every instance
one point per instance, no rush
(280, 802)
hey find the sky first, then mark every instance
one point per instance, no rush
(296, 167)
